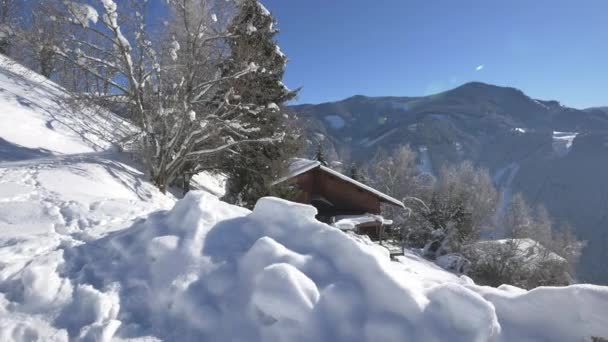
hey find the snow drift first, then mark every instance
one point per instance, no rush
(210, 271)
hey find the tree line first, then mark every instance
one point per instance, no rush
(453, 216)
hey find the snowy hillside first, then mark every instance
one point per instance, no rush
(61, 184)
(58, 170)
(90, 251)
(38, 120)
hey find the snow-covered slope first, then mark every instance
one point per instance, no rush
(61, 183)
(76, 263)
(37, 118)
(58, 171)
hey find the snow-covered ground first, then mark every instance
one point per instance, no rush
(210, 271)
(37, 118)
(90, 251)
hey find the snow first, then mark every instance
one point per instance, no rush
(367, 142)
(91, 251)
(251, 29)
(175, 47)
(562, 142)
(84, 14)
(37, 121)
(61, 184)
(531, 251)
(214, 184)
(453, 262)
(207, 270)
(273, 106)
(192, 115)
(541, 104)
(351, 222)
(264, 10)
(279, 52)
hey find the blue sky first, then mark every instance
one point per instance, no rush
(551, 49)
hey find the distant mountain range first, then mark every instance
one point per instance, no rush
(554, 154)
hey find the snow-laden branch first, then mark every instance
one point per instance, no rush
(232, 144)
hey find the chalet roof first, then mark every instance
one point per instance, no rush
(300, 166)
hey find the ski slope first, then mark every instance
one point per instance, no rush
(91, 251)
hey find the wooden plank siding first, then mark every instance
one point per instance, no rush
(346, 198)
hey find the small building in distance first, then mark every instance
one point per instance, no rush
(340, 200)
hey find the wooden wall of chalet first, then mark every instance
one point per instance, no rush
(346, 197)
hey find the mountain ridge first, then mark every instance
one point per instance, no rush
(495, 127)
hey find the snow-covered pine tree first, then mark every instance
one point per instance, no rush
(320, 154)
(251, 169)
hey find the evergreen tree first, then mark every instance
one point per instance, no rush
(354, 173)
(320, 154)
(252, 168)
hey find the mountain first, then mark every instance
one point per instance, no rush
(554, 154)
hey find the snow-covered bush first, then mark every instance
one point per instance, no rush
(461, 202)
(520, 262)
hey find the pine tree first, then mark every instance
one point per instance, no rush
(354, 173)
(252, 168)
(320, 154)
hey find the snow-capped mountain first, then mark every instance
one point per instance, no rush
(553, 154)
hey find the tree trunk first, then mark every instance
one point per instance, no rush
(160, 180)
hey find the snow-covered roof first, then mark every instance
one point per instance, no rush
(350, 222)
(299, 166)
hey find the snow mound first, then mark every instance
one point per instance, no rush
(210, 271)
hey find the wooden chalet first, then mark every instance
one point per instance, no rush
(340, 200)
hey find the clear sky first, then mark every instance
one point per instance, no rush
(551, 49)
